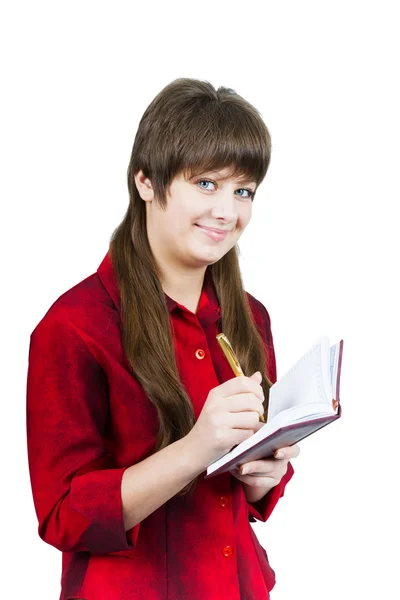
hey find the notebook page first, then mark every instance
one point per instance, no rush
(334, 354)
(307, 381)
(332, 363)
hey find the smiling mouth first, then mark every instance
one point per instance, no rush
(217, 236)
(212, 229)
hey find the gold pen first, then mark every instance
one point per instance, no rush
(232, 359)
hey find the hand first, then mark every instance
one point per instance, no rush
(267, 473)
(229, 416)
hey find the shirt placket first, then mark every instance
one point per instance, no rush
(213, 497)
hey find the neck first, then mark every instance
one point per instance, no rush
(184, 288)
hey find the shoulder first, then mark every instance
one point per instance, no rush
(79, 312)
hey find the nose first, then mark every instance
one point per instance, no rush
(225, 206)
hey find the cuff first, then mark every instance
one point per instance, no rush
(96, 496)
(262, 509)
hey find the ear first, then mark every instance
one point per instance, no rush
(144, 186)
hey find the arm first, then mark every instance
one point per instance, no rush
(84, 503)
(153, 481)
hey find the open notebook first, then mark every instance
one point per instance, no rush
(304, 400)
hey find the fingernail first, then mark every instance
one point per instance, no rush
(279, 454)
(245, 470)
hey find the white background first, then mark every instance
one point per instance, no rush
(321, 251)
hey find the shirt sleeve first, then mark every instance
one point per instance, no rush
(75, 485)
(262, 509)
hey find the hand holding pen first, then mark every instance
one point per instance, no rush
(232, 359)
(258, 475)
(231, 414)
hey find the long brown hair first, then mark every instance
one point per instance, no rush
(190, 128)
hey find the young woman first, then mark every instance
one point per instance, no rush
(129, 396)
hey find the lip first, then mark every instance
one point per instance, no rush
(213, 229)
(215, 234)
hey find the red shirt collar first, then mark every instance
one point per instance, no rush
(208, 308)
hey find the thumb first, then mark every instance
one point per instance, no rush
(257, 376)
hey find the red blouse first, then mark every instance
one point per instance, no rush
(88, 419)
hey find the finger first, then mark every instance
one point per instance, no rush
(263, 465)
(241, 384)
(287, 452)
(258, 481)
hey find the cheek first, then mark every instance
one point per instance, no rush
(247, 216)
(176, 223)
(242, 223)
(244, 217)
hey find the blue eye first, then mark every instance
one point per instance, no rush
(251, 194)
(205, 181)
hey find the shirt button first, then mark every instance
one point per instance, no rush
(223, 501)
(227, 551)
(200, 354)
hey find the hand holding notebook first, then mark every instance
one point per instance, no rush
(304, 400)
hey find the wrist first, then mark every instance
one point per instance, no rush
(191, 451)
(254, 494)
